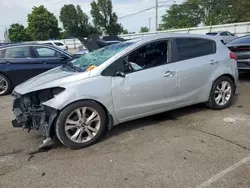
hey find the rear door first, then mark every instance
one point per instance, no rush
(50, 57)
(196, 62)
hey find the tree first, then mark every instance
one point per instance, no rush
(239, 11)
(42, 24)
(222, 12)
(210, 12)
(104, 17)
(64, 35)
(17, 33)
(188, 14)
(144, 30)
(75, 21)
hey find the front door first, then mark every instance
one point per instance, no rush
(150, 86)
(50, 57)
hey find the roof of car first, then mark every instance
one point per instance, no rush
(23, 44)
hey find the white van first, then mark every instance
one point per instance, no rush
(57, 43)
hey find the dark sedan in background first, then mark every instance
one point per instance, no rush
(19, 62)
(241, 46)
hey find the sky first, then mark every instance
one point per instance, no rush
(16, 11)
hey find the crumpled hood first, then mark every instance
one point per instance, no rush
(52, 78)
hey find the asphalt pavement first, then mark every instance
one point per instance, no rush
(188, 147)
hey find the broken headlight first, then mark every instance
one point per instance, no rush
(42, 96)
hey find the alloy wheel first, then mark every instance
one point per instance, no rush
(3, 85)
(82, 124)
(223, 93)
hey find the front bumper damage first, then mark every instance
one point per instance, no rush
(30, 114)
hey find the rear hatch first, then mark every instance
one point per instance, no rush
(243, 53)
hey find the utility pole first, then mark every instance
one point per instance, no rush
(149, 24)
(156, 15)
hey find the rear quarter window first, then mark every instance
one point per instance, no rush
(189, 48)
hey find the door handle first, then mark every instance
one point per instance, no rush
(169, 73)
(44, 62)
(212, 62)
(7, 62)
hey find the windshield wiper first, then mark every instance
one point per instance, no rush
(72, 67)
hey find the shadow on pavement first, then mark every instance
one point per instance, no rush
(151, 120)
(244, 77)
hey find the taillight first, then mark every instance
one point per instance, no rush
(233, 56)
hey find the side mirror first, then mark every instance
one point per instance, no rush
(62, 57)
(120, 74)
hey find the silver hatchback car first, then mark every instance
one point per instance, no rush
(78, 101)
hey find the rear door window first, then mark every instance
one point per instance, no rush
(189, 48)
(18, 52)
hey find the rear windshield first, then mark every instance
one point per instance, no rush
(213, 34)
(241, 40)
(58, 43)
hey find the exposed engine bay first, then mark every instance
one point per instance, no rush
(32, 114)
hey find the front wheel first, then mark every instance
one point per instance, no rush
(5, 85)
(81, 124)
(221, 93)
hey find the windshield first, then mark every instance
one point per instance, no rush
(94, 59)
(241, 40)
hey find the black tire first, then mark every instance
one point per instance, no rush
(60, 124)
(9, 85)
(211, 102)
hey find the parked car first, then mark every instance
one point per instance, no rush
(20, 62)
(241, 46)
(125, 81)
(56, 43)
(224, 36)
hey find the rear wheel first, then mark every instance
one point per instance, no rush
(5, 85)
(221, 93)
(81, 124)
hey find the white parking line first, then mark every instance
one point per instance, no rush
(223, 173)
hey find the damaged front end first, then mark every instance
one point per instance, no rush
(30, 112)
